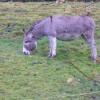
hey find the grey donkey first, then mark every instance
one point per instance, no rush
(62, 28)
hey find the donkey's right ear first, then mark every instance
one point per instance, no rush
(23, 30)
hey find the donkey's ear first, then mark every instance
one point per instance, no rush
(23, 30)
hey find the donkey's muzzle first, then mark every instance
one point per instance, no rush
(25, 51)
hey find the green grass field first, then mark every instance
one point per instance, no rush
(69, 76)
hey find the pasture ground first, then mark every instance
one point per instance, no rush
(69, 76)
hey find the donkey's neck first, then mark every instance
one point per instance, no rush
(38, 30)
(38, 33)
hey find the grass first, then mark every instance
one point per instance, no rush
(37, 77)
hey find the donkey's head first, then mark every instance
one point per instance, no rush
(30, 40)
(29, 44)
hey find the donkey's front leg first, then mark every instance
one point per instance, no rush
(52, 44)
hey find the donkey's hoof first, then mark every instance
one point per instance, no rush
(94, 60)
(51, 56)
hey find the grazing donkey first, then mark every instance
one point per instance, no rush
(62, 28)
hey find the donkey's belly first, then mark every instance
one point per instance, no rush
(67, 36)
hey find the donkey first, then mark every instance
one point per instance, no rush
(62, 28)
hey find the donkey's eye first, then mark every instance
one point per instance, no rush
(27, 41)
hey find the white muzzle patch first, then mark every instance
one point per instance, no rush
(25, 51)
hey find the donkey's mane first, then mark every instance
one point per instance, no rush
(32, 26)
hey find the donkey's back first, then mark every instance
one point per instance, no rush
(70, 27)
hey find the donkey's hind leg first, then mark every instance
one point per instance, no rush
(89, 37)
